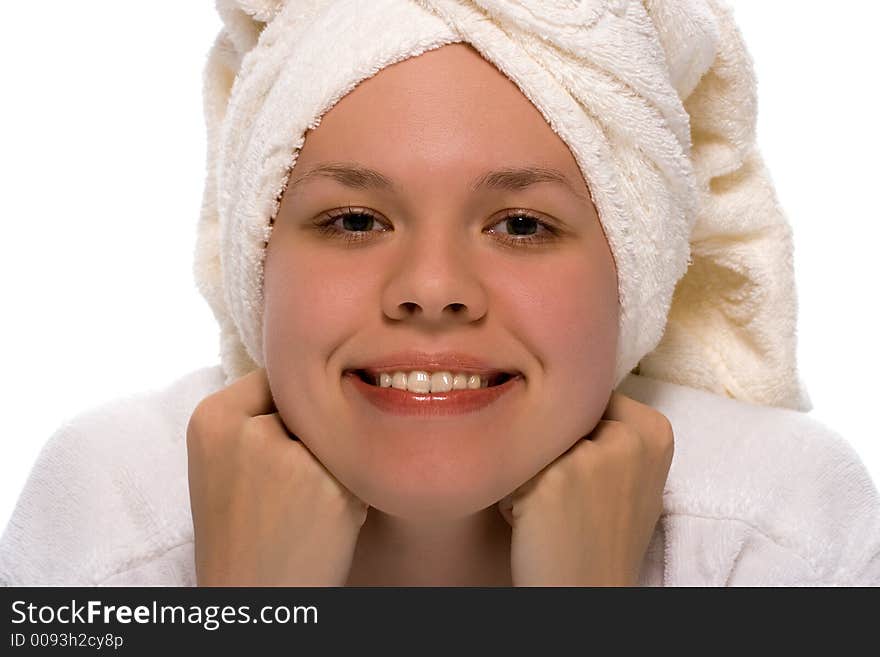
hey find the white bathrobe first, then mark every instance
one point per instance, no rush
(756, 495)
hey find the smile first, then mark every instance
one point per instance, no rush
(424, 382)
(403, 400)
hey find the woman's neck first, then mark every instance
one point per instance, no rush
(469, 551)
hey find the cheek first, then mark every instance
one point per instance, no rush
(566, 314)
(318, 290)
(312, 305)
(581, 327)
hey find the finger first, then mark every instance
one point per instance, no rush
(505, 508)
(251, 394)
(647, 421)
(275, 423)
(604, 431)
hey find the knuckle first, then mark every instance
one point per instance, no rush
(202, 423)
(285, 464)
(197, 417)
(663, 426)
(301, 461)
(664, 435)
(251, 431)
(260, 429)
(359, 511)
(553, 481)
(259, 425)
(308, 471)
(329, 493)
(582, 453)
(253, 442)
(628, 440)
(340, 500)
(193, 429)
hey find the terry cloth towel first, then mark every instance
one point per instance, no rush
(656, 99)
(756, 496)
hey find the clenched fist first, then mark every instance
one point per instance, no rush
(265, 511)
(587, 518)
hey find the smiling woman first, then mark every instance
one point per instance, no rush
(443, 279)
(504, 299)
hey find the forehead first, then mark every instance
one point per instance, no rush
(446, 107)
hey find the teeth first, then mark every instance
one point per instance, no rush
(421, 381)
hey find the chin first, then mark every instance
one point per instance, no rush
(444, 503)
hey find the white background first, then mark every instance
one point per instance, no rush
(101, 173)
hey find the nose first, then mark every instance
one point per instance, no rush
(434, 283)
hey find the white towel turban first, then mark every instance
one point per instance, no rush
(656, 99)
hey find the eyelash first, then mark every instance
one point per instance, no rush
(325, 226)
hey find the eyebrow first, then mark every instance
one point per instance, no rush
(358, 176)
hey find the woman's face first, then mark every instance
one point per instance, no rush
(435, 266)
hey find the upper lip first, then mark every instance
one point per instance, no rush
(447, 361)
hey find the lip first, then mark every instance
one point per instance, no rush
(453, 402)
(447, 361)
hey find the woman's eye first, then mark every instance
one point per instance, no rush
(521, 229)
(354, 220)
(352, 225)
(517, 228)
(520, 225)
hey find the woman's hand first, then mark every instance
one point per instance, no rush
(587, 518)
(265, 511)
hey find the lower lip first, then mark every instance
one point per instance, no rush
(454, 402)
